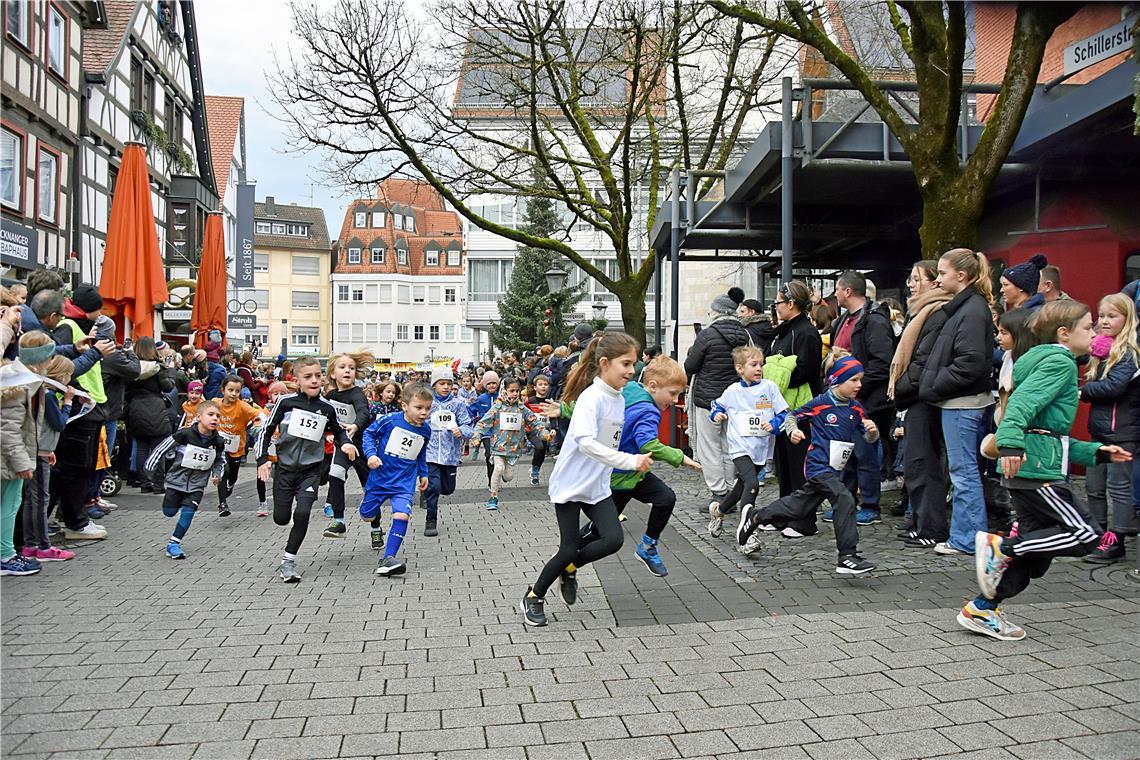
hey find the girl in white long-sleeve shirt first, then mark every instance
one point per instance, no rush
(580, 482)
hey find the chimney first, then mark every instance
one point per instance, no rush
(270, 207)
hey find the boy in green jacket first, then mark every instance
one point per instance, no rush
(1035, 451)
(663, 379)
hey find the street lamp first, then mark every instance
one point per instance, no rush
(555, 281)
(599, 308)
(284, 337)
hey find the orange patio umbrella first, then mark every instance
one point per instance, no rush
(133, 279)
(210, 296)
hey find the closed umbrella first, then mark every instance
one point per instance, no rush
(133, 278)
(210, 295)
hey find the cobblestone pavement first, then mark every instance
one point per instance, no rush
(124, 653)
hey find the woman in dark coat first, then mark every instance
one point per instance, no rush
(147, 419)
(796, 336)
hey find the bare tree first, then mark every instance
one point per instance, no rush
(604, 97)
(933, 37)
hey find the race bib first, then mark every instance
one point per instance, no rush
(306, 425)
(404, 444)
(840, 452)
(443, 419)
(233, 442)
(345, 413)
(197, 458)
(748, 423)
(510, 420)
(609, 433)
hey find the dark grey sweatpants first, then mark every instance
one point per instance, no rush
(797, 510)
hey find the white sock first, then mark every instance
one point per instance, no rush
(287, 557)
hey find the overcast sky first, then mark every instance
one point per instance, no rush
(236, 41)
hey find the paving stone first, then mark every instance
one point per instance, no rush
(909, 744)
(703, 743)
(644, 747)
(442, 739)
(298, 748)
(783, 734)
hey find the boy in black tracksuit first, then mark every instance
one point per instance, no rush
(836, 419)
(304, 418)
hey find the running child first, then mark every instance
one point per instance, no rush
(479, 408)
(302, 417)
(450, 427)
(385, 400)
(236, 417)
(187, 460)
(664, 380)
(580, 482)
(354, 415)
(396, 449)
(1035, 448)
(536, 403)
(274, 391)
(746, 406)
(836, 419)
(190, 405)
(505, 428)
(467, 394)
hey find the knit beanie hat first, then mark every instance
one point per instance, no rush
(843, 370)
(195, 386)
(753, 304)
(722, 304)
(441, 373)
(87, 297)
(1027, 275)
(583, 331)
(490, 376)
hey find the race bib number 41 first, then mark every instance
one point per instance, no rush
(306, 425)
(404, 444)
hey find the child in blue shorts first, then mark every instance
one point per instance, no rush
(396, 450)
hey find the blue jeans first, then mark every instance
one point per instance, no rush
(864, 469)
(963, 430)
(441, 481)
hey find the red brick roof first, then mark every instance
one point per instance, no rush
(409, 192)
(100, 46)
(223, 118)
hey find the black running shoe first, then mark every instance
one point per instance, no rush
(531, 608)
(336, 530)
(391, 566)
(569, 587)
(853, 564)
(430, 529)
(749, 522)
(917, 542)
(223, 509)
(907, 534)
(377, 539)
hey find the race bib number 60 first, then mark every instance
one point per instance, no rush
(748, 424)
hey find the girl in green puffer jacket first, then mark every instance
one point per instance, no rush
(1035, 449)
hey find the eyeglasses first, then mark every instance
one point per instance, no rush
(783, 301)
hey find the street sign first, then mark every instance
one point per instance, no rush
(1104, 44)
(243, 321)
(18, 244)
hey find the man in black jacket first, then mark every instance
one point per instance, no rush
(709, 362)
(864, 329)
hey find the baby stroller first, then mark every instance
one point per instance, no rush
(111, 481)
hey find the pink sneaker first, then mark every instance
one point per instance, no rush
(51, 554)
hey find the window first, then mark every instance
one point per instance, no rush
(264, 228)
(453, 258)
(433, 332)
(168, 117)
(11, 163)
(419, 293)
(278, 229)
(306, 265)
(260, 297)
(370, 294)
(410, 223)
(47, 184)
(361, 219)
(342, 293)
(17, 18)
(296, 230)
(433, 294)
(385, 333)
(306, 299)
(342, 332)
(357, 332)
(56, 41)
(306, 337)
(401, 256)
(465, 334)
(174, 132)
(261, 262)
(136, 84)
(370, 333)
(488, 280)
(358, 294)
(418, 332)
(403, 294)
(148, 94)
(377, 255)
(449, 295)
(431, 258)
(353, 255)
(398, 221)
(378, 219)
(449, 333)
(385, 293)
(401, 332)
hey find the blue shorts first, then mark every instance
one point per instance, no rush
(370, 507)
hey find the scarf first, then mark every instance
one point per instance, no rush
(921, 307)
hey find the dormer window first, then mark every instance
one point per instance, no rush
(361, 219)
(398, 221)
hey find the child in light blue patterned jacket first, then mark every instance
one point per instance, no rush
(451, 427)
(507, 424)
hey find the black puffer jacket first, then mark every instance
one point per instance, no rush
(146, 408)
(798, 337)
(118, 369)
(710, 359)
(959, 363)
(1114, 416)
(906, 387)
(873, 344)
(760, 331)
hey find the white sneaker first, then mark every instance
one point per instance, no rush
(767, 527)
(752, 545)
(89, 532)
(790, 532)
(716, 519)
(888, 485)
(946, 549)
(104, 504)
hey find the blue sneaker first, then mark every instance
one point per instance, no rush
(493, 503)
(829, 515)
(647, 553)
(95, 513)
(328, 511)
(174, 550)
(533, 475)
(866, 516)
(18, 565)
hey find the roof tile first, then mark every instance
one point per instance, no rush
(223, 119)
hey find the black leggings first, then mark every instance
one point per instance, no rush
(747, 483)
(229, 478)
(661, 499)
(539, 444)
(336, 484)
(486, 442)
(288, 484)
(610, 537)
(260, 491)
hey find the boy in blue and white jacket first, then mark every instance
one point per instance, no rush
(836, 418)
(450, 424)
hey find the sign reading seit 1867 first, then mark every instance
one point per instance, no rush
(1104, 44)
